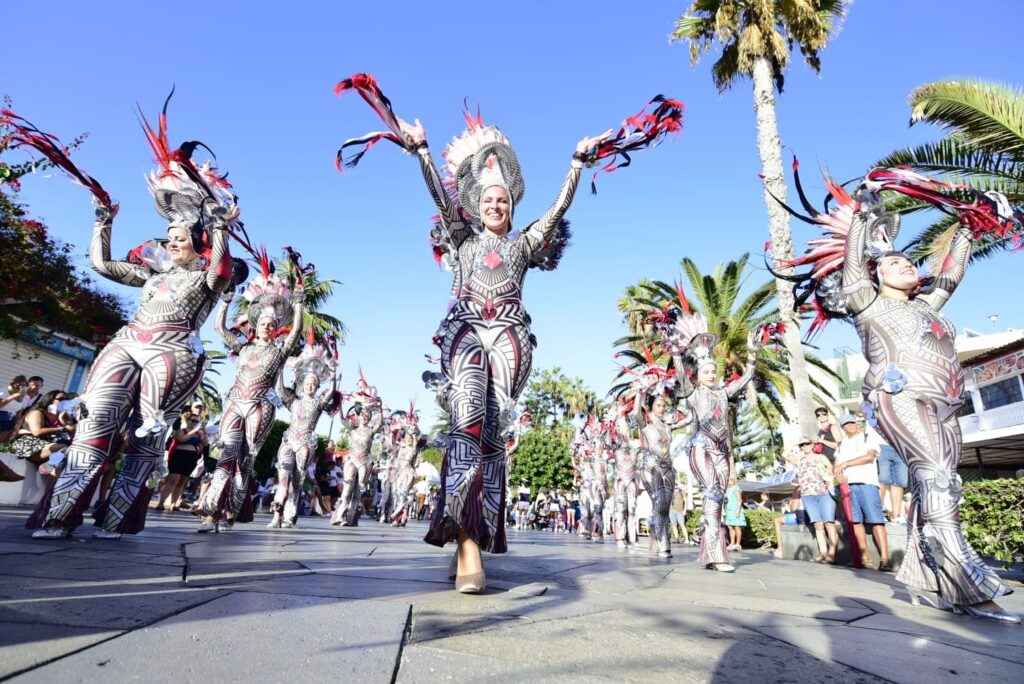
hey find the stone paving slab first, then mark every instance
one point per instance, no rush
(602, 646)
(248, 637)
(106, 605)
(24, 645)
(555, 608)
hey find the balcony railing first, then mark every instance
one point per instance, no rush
(994, 419)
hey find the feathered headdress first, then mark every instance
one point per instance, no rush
(985, 214)
(313, 360)
(268, 294)
(478, 158)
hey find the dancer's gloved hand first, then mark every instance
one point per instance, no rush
(105, 214)
(752, 343)
(414, 133)
(218, 214)
(298, 294)
(228, 295)
(585, 146)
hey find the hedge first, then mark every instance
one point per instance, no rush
(760, 529)
(992, 512)
(993, 516)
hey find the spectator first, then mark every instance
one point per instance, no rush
(11, 404)
(814, 475)
(573, 502)
(187, 442)
(677, 512)
(40, 433)
(555, 511)
(763, 503)
(789, 508)
(855, 465)
(735, 519)
(829, 435)
(892, 480)
(422, 490)
(33, 391)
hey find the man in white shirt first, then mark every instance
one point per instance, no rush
(855, 465)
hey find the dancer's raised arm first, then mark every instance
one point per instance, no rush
(220, 325)
(218, 275)
(736, 386)
(122, 272)
(298, 309)
(286, 393)
(542, 230)
(948, 280)
(857, 287)
(417, 137)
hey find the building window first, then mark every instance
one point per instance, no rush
(968, 408)
(1001, 393)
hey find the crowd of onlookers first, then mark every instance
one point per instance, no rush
(36, 426)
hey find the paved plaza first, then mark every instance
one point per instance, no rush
(373, 604)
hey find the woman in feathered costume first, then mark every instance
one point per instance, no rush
(406, 461)
(298, 445)
(363, 423)
(914, 385)
(655, 417)
(249, 413)
(153, 365)
(485, 340)
(693, 356)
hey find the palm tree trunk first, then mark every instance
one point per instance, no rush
(800, 407)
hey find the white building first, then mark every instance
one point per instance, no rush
(63, 361)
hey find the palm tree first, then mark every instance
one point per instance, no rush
(756, 37)
(317, 293)
(207, 392)
(984, 148)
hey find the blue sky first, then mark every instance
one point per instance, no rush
(255, 85)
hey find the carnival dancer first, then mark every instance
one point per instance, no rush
(405, 474)
(592, 481)
(249, 413)
(914, 385)
(152, 366)
(651, 412)
(298, 445)
(363, 423)
(485, 340)
(624, 449)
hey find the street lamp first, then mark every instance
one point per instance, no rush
(993, 318)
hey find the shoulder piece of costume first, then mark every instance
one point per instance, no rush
(985, 214)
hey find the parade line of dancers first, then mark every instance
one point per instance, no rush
(152, 367)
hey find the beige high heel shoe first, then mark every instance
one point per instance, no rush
(474, 583)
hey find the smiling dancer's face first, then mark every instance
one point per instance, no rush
(495, 209)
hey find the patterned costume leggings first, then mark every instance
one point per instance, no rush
(625, 510)
(292, 462)
(488, 369)
(243, 429)
(592, 508)
(938, 558)
(658, 477)
(129, 382)
(711, 468)
(356, 472)
(401, 490)
(386, 507)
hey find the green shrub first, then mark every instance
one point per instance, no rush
(993, 515)
(692, 521)
(760, 529)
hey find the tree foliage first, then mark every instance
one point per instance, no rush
(748, 30)
(993, 515)
(42, 286)
(543, 459)
(983, 148)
